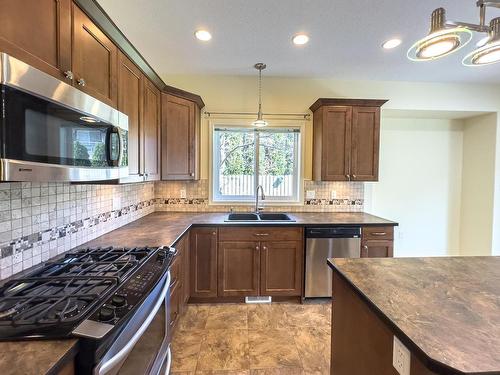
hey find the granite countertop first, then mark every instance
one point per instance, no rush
(35, 357)
(156, 229)
(448, 309)
(165, 228)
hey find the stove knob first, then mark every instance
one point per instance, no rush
(106, 314)
(118, 300)
(160, 257)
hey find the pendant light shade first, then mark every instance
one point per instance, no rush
(489, 53)
(441, 40)
(260, 122)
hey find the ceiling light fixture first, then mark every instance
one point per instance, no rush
(203, 35)
(489, 52)
(300, 39)
(391, 43)
(260, 122)
(446, 37)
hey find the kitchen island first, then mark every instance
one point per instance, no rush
(445, 311)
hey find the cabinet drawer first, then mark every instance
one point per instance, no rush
(378, 233)
(260, 233)
(175, 271)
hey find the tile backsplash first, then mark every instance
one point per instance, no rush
(349, 198)
(39, 221)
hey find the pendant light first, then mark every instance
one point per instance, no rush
(446, 37)
(260, 122)
(441, 40)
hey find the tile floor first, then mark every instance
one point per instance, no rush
(239, 339)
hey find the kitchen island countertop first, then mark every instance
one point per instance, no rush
(446, 310)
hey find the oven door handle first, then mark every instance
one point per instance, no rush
(125, 351)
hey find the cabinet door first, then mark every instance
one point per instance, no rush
(365, 143)
(336, 142)
(185, 269)
(183, 251)
(179, 138)
(130, 91)
(94, 59)
(377, 249)
(38, 32)
(281, 268)
(151, 131)
(175, 305)
(203, 259)
(238, 268)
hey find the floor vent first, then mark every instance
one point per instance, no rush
(265, 299)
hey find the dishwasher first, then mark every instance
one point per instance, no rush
(324, 243)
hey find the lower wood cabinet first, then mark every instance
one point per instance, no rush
(175, 305)
(270, 267)
(203, 262)
(377, 242)
(281, 268)
(238, 268)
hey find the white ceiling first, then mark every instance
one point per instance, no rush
(345, 43)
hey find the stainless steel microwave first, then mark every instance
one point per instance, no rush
(51, 131)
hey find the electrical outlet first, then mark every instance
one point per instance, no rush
(310, 194)
(400, 357)
(333, 194)
(117, 203)
(183, 193)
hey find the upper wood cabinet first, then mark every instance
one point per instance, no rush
(130, 94)
(151, 131)
(38, 33)
(346, 139)
(94, 59)
(139, 99)
(180, 138)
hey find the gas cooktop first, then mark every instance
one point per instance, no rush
(54, 299)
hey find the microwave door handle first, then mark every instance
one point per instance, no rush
(125, 351)
(110, 161)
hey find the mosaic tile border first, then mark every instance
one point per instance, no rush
(334, 202)
(308, 202)
(26, 251)
(190, 201)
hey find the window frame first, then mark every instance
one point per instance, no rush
(243, 123)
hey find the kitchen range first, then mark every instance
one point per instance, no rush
(115, 299)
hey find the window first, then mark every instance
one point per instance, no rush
(244, 158)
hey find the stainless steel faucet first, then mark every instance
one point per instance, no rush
(263, 196)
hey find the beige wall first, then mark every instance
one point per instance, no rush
(420, 184)
(478, 183)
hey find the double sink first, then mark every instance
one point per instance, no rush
(268, 216)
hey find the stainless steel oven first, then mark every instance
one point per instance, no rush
(51, 131)
(143, 345)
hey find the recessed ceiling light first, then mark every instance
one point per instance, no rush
(300, 39)
(89, 119)
(391, 43)
(203, 35)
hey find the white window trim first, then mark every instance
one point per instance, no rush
(276, 123)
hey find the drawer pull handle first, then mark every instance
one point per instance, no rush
(262, 234)
(379, 233)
